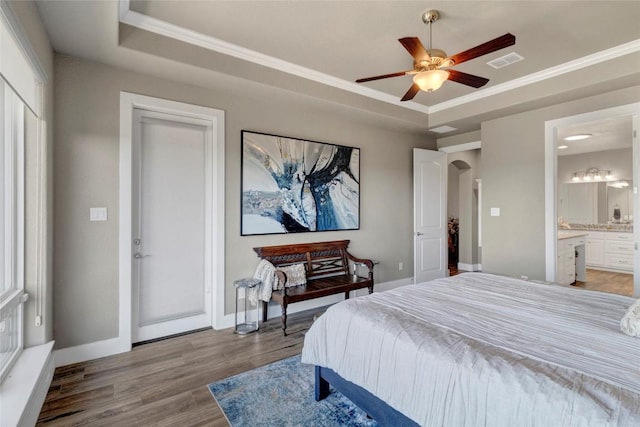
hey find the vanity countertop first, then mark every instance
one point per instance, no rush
(611, 227)
(569, 234)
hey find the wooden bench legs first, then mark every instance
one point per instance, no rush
(284, 319)
(284, 304)
(265, 312)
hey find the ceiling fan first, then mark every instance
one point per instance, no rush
(431, 66)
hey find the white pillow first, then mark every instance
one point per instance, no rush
(296, 275)
(630, 323)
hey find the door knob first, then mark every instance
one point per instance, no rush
(419, 233)
(138, 255)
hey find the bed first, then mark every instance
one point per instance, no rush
(481, 350)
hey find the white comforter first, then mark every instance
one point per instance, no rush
(484, 350)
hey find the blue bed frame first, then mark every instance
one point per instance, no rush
(377, 409)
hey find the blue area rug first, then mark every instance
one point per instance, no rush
(281, 394)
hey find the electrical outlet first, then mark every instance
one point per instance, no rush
(38, 320)
(400, 266)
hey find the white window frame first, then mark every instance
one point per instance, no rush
(12, 297)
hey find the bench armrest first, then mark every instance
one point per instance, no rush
(367, 262)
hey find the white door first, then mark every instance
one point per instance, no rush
(430, 215)
(636, 204)
(172, 215)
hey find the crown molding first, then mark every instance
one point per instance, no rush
(157, 26)
(166, 29)
(14, 26)
(586, 61)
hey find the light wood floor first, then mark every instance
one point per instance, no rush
(606, 281)
(165, 383)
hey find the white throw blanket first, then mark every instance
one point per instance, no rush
(477, 350)
(266, 272)
(630, 323)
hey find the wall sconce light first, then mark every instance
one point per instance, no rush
(619, 184)
(592, 174)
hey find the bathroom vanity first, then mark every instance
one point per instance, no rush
(572, 257)
(610, 250)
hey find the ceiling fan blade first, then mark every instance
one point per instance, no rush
(467, 79)
(485, 48)
(415, 47)
(413, 90)
(383, 76)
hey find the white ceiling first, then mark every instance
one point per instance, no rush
(606, 134)
(318, 48)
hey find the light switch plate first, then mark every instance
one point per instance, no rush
(97, 214)
(495, 211)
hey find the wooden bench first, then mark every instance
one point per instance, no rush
(327, 267)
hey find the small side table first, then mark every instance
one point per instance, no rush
(247, 318)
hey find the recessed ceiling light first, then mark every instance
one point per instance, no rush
(442, 129)
(562, 147)
(578, 137)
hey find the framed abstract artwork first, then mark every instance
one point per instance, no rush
(293, 185)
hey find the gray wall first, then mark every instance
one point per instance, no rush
(513, 179)
(86, 174)
(618, 161)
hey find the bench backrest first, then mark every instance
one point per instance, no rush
(320, 259)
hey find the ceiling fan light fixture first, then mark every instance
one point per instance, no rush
(430, 80)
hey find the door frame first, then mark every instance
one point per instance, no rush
(128, 102)
(468, 146)
(551, 183)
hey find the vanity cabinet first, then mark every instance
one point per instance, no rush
(571, 260)
(619, 251)
(595, 249)
(610, 250)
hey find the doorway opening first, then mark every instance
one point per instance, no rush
(590, 182)
(462, 211)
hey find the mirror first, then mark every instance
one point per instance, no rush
(620, 204)
(594, 203)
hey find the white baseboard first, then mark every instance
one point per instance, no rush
(469, 267)
(23, 391)
(95, 350)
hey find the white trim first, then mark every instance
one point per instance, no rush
(24, 391)
(469, 267)
(550, 184)
(95, 350)
(129, 101)
(195, 38)
(23, 41)
(548, 73)
(166, 29)
(90, 351)
(461, 147)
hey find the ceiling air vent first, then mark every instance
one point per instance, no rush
(503, 61)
